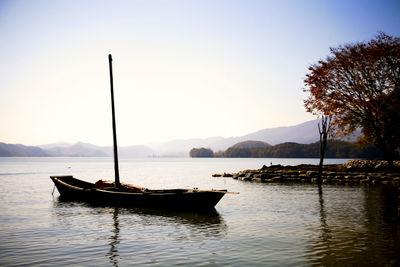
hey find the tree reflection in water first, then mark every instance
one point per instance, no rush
(353, 233)
(324, 226)
(333, 225)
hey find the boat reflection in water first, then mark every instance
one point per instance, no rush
(137, 232)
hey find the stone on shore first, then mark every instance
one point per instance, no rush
(353, 171)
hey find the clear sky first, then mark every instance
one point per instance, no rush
(182, 69)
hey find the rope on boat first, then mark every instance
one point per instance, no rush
(52, 193)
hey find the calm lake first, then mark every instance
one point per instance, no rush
(265, 225)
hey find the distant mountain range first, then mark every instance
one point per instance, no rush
(72, 150)
(8, 150)
(303, 133)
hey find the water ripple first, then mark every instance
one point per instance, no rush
(266, 225)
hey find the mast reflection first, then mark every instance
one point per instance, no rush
(114, 239)
(132, 229)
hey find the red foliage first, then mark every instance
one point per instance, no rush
(358, 85)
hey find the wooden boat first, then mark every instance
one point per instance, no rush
(71, 188)
(118, 194)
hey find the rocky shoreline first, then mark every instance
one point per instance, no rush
(352, 172)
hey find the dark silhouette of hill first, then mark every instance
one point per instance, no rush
(334, 149)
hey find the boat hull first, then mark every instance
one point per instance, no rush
(71, 188)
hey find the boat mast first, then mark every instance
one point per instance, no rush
(116, 169)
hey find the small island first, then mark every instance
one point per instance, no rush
(201, 153)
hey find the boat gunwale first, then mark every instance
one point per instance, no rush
(149, 192)
(68, 185)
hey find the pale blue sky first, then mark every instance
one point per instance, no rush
(182, 69)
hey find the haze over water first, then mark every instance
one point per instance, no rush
(265, 225)
(182, 69)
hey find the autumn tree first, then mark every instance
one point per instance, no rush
(358, 85)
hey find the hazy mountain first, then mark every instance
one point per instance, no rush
(181, 147)
(251, 144)
(72, 150)
(132, 151)
(17, 150)
(88, 150)
(58, 144)
(304, 133)
(75, 150)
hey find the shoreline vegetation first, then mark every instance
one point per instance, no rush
(255, 149)
(351, 172)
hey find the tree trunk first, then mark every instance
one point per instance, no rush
(389, 155)
(323, 142)
(323, 139)
(389, 151)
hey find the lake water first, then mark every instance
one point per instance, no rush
(265, 225)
